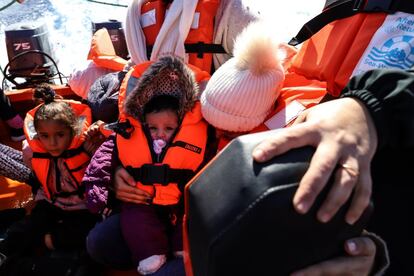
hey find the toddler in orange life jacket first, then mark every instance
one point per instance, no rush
(243, 91)
(165, 149)
(55, 131)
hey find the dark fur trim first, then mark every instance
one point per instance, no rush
(167, 76)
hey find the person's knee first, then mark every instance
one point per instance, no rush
(94, 244)
(105, 244)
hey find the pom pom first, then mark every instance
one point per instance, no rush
(257, 50)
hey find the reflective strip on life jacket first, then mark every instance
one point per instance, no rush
(186, 152)
(152, 17)
(75, 160)
(102, 52)
(297, 95)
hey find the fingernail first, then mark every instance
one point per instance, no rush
(258, 155)
(351, 246)
(350, 220)
(323, 217)
(302, 207)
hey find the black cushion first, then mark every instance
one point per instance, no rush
(241, 221)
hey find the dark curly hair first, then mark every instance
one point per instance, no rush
(52, 109)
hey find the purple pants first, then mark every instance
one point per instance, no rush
(151, 230)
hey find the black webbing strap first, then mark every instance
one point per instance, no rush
(123, 128)
(66, 154)
(148, 174)
(200, 48)
(339, 9)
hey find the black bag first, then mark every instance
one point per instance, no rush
(241, 221)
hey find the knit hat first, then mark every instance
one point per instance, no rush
(167, 76)
(241, 93)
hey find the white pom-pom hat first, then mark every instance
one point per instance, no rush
(241, 93)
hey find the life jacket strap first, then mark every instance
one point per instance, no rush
(339, 9)
(66, 154)
(148, 174)
(200, 48)
(123, 128)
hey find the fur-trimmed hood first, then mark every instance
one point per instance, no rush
(167, 76)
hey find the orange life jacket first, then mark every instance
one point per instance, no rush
(165, 178)
(352, 45)
(297, 94)
(131, 78)
(75, 158)
(102, 52)
(199, 40)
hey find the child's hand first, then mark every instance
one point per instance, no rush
(93, 130)
(93, 137)
(125, 190)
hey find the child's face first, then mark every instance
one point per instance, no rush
(162, 125)
(54, 136)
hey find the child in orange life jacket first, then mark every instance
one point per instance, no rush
(55, 134)
(166, 148)
(162, 121)
(243, 91)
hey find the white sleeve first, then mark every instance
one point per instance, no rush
(232, 17)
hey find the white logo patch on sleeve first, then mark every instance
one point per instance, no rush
(392, 46)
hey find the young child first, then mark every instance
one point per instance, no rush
(55, 133)
(242, 92)
(164, 151)
(167, 145)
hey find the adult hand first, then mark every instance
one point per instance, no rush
(360, 260)
(125, 189)
(344, 136)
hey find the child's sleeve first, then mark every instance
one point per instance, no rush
(99, 176)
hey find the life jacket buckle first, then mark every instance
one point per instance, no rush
(155, 173)
(124, 129)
